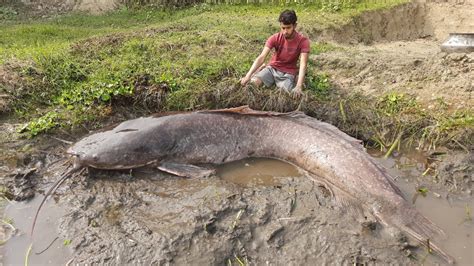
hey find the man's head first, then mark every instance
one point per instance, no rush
(287, 21)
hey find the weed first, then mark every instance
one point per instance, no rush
(319, 48)
(42, 124)
(319, 85)
(7, 13)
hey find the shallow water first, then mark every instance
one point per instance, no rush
(449, 214)
(257, 172)
(46, 231)
(454, 216)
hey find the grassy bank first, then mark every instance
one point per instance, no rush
(79, 69)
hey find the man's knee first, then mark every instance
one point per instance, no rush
(256, 81)
(286, 85)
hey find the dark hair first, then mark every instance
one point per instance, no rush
(288, 17)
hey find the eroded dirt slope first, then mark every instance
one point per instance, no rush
(413, 67)
(404, 54)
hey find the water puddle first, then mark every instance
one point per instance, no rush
(257, 172)
(20, 215)
(454, 216)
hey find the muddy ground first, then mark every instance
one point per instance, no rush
(146, 217)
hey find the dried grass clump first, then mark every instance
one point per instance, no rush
(229, 94)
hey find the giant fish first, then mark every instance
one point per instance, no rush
(180, 143)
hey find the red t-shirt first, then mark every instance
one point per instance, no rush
(287, 52)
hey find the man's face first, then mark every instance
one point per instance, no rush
(287, 29)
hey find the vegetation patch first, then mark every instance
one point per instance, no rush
(82, 69)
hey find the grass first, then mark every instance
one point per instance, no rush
(79, 69)
(75, 67)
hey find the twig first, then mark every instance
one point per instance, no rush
(28, 254)
(242, 38)
(239, 214)
(69, 262)
(394, 145)
(9, 224)
(238, 259)
(5, 198)
(462, 146)
(62, 140)
(343, 113)
(426, 171)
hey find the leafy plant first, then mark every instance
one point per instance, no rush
(318, 84)
(42, 123)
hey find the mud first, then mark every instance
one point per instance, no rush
(258, 211)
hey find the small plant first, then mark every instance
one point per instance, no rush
(319, 85)
(67, 242)
(167, 79)
(394, 103)
(42, 124)
(423, 191)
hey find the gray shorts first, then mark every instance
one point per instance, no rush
(270, 76)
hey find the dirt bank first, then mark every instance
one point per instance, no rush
(405, 55)
(418, 68)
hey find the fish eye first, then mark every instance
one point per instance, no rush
(95, 157)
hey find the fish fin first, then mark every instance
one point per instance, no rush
(185, 170)
(413, 229)
(298, 115)
(246, 110)
(389, 178)
(346, 202)
(417, 226)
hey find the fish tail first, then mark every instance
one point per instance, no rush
(421, 229)
(431, 246)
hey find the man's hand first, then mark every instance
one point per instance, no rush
(297, 91)
(244, 80)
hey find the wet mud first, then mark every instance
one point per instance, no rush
(256, 211)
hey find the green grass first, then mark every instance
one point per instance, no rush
(76, 68)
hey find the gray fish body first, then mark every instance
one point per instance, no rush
(218, 137)
(221, 137)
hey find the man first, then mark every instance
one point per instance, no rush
(288, 46)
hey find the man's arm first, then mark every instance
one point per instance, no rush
(301, 74)
(256, 64)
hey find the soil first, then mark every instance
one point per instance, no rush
(416, 68)
(147, 217)
(405, 54)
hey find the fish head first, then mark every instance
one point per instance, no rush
(128, 145)
(100, 153)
